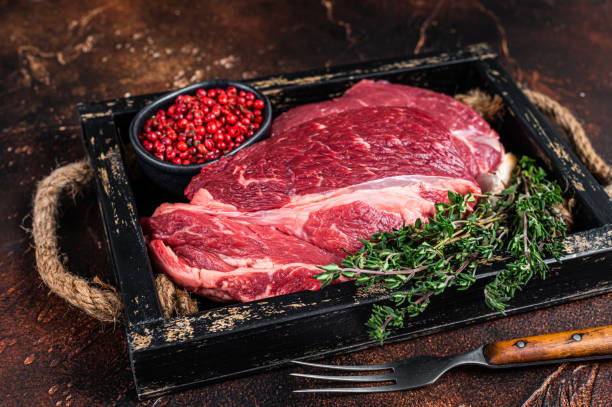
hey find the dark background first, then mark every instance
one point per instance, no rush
(55, 54)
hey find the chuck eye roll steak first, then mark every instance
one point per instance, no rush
(332, 173)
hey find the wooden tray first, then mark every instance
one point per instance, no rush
(225, 341)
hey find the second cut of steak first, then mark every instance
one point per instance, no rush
(228, 259)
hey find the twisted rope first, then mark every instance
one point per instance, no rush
(490, 107)
(578, 138)
(95, 298)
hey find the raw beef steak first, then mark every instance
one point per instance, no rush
(340, 218)
(335, 151)
(228, 259)
(260, 220)
(462, 121)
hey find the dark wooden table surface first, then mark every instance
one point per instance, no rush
(57, 53)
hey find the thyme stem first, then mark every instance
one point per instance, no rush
(419, 261)
(389, 272)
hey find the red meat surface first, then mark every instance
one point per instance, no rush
(228, 259)
(332, 174)
(462, 121)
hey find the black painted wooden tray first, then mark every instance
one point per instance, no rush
(230, 340)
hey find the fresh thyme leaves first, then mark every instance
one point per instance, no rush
(419, 261)
(536, 226)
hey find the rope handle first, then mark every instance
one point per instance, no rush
(95, 298)
(490, 106)
(102, 301)
(578, 138)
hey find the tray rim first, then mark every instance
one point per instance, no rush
(143, 315)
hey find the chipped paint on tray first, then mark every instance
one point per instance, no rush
(581, 242)
(88, 116)
(181, 329)
(141, 341)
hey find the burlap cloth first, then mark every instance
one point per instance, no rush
(102, 301)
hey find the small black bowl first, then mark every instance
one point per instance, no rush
(174, 178)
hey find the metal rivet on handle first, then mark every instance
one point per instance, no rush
(521, 344)
(577, 337)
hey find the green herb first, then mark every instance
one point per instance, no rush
(419, 261)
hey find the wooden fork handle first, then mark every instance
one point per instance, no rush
(562, 345)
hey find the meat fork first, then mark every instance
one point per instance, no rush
(571, 346)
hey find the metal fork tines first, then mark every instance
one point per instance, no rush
(350, 379)
(405, 374)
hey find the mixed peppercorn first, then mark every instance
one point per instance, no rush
(201, 127)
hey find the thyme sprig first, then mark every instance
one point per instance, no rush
(419, 261)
